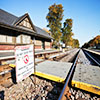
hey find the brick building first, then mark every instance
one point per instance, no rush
(21, 31)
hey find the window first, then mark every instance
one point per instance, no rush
(2, 38)
(18, 39)
(9, 39)
(26, 39)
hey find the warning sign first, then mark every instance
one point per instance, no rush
(24, 61)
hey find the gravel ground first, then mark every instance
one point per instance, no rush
(71, 54)
(28, 90)
(77, 94)
(42, 89)
(83, 59)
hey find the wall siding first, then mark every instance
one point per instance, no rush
(7, 47)
(38, 42)
(38, 47)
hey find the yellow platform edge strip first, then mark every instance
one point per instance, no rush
(50, 77)
(47, 76)
(12, 65)
(81, 85)
(85, 86)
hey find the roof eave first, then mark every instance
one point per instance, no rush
(44, 36)
(17, 29)
(22, 18)
(22, 30)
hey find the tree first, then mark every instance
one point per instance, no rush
(67, 32)
(75, 43)
(54, 18)
(93, 42)
(96, 40)
(86, 45)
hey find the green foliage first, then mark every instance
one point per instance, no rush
(86, 45)
(67, 32)
(93, 42)
(54, 18)
(75, 43)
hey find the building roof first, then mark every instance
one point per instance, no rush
(7, 18)
(42, 32)
(10, 20)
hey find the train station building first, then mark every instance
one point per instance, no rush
(21, 31)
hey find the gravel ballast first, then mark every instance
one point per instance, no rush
(28, 90)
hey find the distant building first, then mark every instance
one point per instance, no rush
(21, 31)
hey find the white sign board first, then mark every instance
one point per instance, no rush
(24, 61)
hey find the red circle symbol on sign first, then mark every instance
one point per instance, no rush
(26, 59)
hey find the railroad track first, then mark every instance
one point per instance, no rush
(6, 72)
(66, 94)
(35, 90)
(93, 57)
(49, 90)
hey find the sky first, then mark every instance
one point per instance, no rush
(85, 14)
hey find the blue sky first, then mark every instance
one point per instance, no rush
(85, 14)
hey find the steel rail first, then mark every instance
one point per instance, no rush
(63, 93)
(93, 58)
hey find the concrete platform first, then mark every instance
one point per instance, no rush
(92, 51)
(87, 77)
(52, 70)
